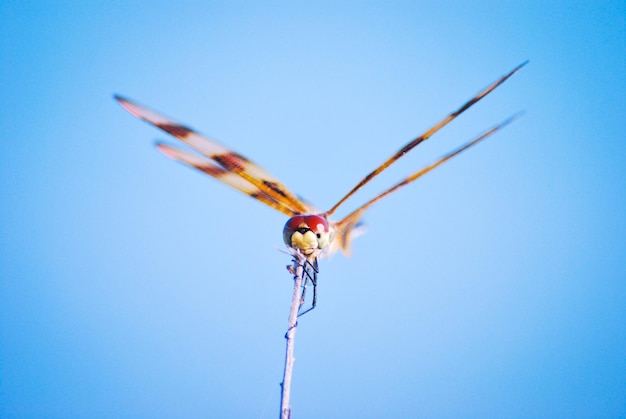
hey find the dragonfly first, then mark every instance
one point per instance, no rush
(308, 231)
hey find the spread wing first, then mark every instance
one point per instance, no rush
(346, 227)
(221, 163)
(426, 135)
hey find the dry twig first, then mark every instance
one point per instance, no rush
(297, 269)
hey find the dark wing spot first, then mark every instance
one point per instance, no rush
(231, 161)
(213, 170)
(274, 187)
(260, 195)
(408, 147)
(468, 104)
(178, 131)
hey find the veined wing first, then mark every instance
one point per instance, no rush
(409, 146)
(218, 172)
(434, 165)
(266, 185)
(345, 227)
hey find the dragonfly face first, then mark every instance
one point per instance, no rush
(307, 233)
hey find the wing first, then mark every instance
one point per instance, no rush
(426, 135)
(345, 227)
(218, 172)
(229, 167)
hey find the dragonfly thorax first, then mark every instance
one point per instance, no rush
(307, 233)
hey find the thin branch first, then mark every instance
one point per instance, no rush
(297, 269)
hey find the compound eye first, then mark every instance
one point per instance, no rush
(319, 226)
(316, 223)
(292, 225)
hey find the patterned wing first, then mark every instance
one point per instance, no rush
(426, 135)
(254, 181)
(345, 228)
(218, 172)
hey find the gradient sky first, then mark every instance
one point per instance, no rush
(133, 287)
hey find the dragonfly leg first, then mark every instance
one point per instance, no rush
(310, 274)
(302, 296)
(314, 282)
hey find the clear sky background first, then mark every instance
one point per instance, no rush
(131, 286)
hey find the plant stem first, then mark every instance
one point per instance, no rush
(297, 269)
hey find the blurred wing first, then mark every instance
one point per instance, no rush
(255, 181)
(218, 172)
(408, 147)
(345, 227)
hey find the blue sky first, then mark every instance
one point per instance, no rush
(131, 286)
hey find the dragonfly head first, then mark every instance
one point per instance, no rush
(307, 233)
